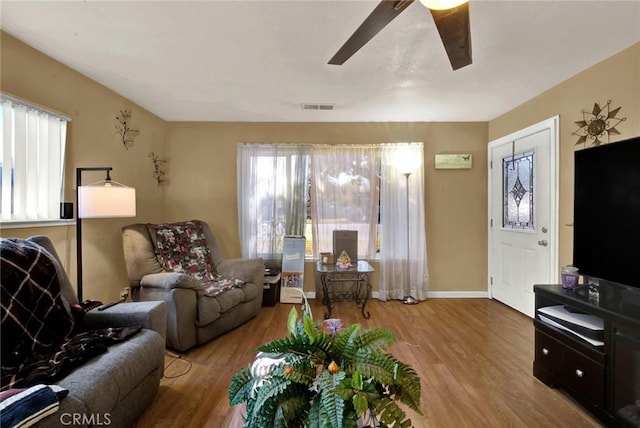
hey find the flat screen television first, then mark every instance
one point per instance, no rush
(606, 217)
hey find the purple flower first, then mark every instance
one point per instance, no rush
(333, 325)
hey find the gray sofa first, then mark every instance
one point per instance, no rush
(115, 386)
(192, 317)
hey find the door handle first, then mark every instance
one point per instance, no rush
(543, 242)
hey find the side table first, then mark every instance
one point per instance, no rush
(359, 291)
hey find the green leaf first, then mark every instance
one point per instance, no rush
(407, 387)
(241, 384)
(389, 413)
(331, 402)
(360, 403)
(267, 397)
(291, 321)
(314, 420)
(356, 380)
(375, 365)
(397, 376)
(303, 372)
(344, 344)
(371, 392)
(316, 350)
(374, 339)
(310, 327)
(293, 406)
(345, 390)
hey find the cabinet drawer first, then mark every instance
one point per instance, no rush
(584, 376)
(548, 353)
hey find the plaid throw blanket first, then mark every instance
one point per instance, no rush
(37, 344)
(34, 317)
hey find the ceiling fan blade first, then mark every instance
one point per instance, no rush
(455, 31)
(383, 14)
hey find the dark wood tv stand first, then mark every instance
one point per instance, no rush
(601, 378)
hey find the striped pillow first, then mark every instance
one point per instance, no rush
(26, 407)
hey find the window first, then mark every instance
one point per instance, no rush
(518, 184)
(346, 195)
(278, 196)
(275, 189)
(272, 196)
(31, 161)
(291, 189)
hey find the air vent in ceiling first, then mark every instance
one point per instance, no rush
(317, 106)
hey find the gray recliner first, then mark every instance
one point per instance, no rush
(193, 316)
(115, 387)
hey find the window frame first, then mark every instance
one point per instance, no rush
(309, 250)
(37, 131)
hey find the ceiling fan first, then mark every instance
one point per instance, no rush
(450, 16)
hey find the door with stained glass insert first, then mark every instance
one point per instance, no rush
(523, 214)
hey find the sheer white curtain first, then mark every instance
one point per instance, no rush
(345, 195)
(272, 196)
(32, 160)
(397, 238)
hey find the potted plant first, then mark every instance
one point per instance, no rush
(336, 377)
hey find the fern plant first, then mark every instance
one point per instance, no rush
(326, 379)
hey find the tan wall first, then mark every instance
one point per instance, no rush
(202, 159)
(202, 172)
(202, 185)
(91, 141)
(616, 79)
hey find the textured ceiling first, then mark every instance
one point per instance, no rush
(260, 60)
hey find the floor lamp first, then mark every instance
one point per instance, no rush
(408, 298)
(406, 162)
(104, 199)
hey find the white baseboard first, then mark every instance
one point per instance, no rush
(431, 294)
(458, 294)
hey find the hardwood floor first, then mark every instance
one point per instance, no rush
(474, 357)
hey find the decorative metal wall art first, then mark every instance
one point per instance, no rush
(601, 122)
(123, 128)
(158, 168)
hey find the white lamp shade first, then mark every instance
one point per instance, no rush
(106, 200)
(406, 161)
(442, 4)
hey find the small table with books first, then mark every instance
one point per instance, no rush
(339, 284)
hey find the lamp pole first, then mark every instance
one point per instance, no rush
(79, 222)
(408, 299)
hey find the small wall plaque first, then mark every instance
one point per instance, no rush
(453, 161)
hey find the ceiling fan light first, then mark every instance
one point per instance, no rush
(442, 4)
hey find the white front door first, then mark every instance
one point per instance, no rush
(523, 218)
